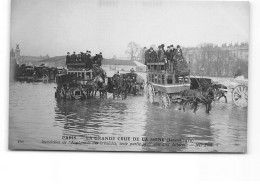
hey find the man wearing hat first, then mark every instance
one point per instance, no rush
(88, 60)
(146, 56)
(159, 53)
(99, 59)
(168, 58)
(95, 59)
(73, 57)
(68, 58)
(179, 51)
(153, 55)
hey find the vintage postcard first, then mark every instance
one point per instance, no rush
(121, 75)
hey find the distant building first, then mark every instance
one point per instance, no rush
(123, 65)
(237, 51)
(57, 61)
(28, 60)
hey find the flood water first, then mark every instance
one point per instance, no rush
(38, 122)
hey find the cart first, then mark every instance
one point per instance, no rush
(239, 92)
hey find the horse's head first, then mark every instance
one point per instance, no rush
(98, 79)
(210, 92)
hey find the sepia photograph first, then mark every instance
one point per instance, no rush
(129, 76)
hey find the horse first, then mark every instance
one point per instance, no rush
(102, 85)
(120, 87)
(195, 96)
(91, 88)
(220, 91)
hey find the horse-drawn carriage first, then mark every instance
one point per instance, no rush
(135, 83)
(73, 84)
(171, 86)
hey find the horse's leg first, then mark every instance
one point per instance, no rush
(207, 107)
(225, 98)
(181, 103)
(195, 107)
(184, 105)
(125, 94)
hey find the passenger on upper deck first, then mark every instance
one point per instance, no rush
(99, 59)
(168, 53)
(79, 58)
(146, 56)
(153, 55)
(73, 57)
(88, 63)
(179, 51)
(172, 51)
(83, 57)
(68, 58)
(168, 58)
(95, 59)
(161, 53)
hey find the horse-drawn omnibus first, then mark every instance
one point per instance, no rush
(164, 86)
(72, 82)
(174, 85)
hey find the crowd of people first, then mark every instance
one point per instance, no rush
(171, 58)
(85, 58)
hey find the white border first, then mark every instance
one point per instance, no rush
(74, 167)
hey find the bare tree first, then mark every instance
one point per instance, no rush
(133, 50)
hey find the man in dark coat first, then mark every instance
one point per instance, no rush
(95, 59)
(88, 63)
(74, 57)
(179, 51)
(99, 59)
(79, 57)
(68, 57)
(153, 56)
(84, 58)
(146, 56)
(168, 58)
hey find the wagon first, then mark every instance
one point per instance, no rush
(72, 84)
(239, 92)
(163, 86)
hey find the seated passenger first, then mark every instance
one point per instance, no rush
(159, 52)
(179, 51)
(73, 57)
(68, 57)
(78, 58)
(168, 58)
(99, 59)
(153, 56)
(146, 56)
(95, 59)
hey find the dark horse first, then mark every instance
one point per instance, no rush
(120, 87)
(196, 96)
(220, 91)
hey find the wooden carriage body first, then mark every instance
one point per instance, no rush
(164, 85)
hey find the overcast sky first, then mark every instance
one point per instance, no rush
(56, 26)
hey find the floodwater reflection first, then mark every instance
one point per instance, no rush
(35, 115)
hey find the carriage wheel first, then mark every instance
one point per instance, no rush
(240, 95)
(164, 101)
(150, 93)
